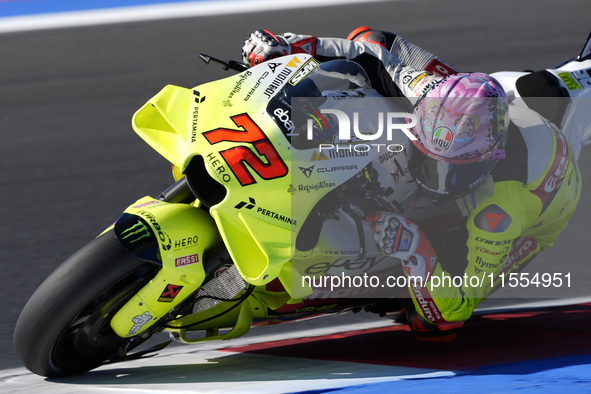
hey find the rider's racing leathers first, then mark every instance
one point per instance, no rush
(515, 214)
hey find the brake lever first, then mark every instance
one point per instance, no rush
(227, 65)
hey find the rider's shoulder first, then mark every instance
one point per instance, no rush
(496, 209)
(529, 122)
(494, 218)
(539, 140)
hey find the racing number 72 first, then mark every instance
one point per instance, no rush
(238, 156)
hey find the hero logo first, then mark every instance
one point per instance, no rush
(185, 242)
(186, 260)
(283, 116)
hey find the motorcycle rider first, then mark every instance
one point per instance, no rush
(506, 170)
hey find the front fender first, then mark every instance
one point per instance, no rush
(173, 235)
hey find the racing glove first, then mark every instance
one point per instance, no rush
(398, 237)
(263, 45)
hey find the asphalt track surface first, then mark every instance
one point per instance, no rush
(71, 162)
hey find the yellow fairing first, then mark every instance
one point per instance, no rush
(183, 233)
(163, 120)
(226, 123)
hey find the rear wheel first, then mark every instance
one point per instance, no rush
(64, 328)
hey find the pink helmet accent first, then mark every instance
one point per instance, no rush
(463, 117)
(461, 133)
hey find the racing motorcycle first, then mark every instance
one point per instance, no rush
(255, 215)
(216, 252)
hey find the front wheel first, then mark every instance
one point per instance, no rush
(64, 328)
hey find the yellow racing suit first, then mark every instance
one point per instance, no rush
(515, 214)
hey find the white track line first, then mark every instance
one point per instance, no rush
(156, 12)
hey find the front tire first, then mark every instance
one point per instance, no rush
(64, 329)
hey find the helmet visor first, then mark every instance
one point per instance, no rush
(447, 179)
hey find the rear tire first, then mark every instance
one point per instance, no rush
(64, 329)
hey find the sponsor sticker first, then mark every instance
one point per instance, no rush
(439, 68)
(302, 72)
(186, 260)
(318, 156)
(493, 219)
(570, 82)
(145, 204)
(170, 292)
(416, 80)
(138, 322)
(442, 137)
